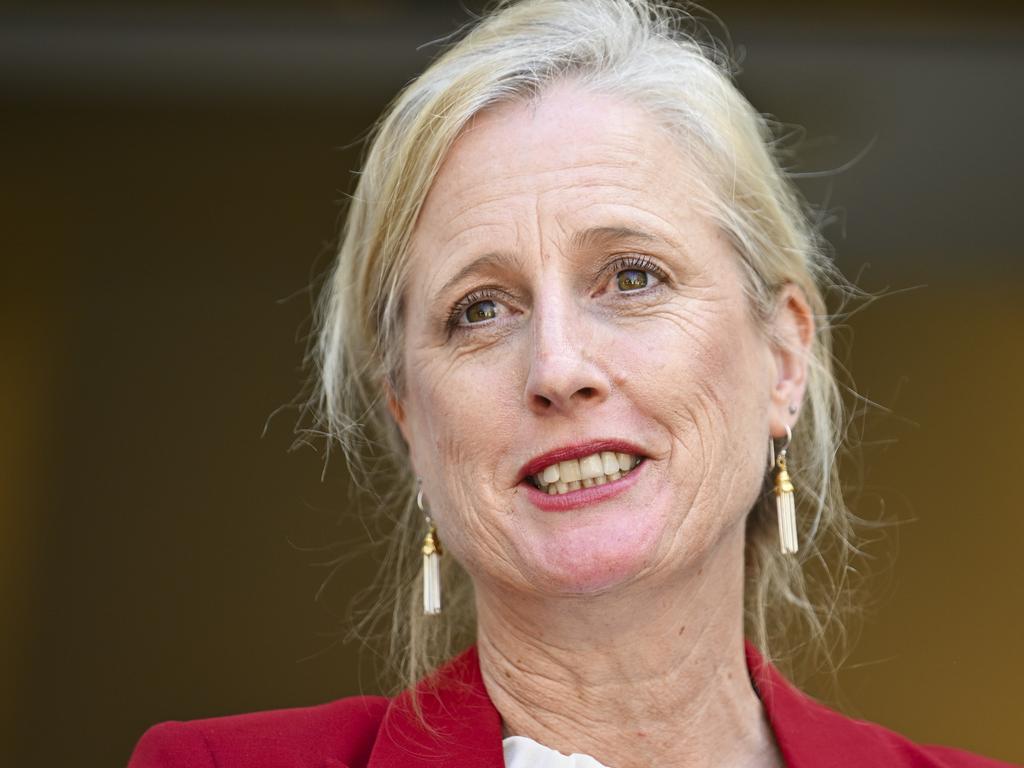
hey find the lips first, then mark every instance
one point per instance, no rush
(577, 451)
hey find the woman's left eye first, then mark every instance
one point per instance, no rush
(480, 311)
(636, 274)
(632, 279)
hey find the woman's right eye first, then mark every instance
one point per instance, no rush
(480, 311)
(478, 308)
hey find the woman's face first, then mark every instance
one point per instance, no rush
(569, 300)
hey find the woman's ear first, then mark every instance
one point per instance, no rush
(792, 334)
(396, 409)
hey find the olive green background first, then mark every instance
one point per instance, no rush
(172, 182)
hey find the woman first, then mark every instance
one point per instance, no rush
(582, 309)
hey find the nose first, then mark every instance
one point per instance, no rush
(565, 373)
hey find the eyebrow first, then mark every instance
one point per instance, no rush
(495, 261)
(587, 239)
(596, 236)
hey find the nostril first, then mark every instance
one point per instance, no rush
(550, 388)
(541, 401)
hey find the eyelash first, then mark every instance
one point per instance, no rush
(466, 302)
(641, 263)
(621, 264)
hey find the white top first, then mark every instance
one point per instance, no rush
(524, 752)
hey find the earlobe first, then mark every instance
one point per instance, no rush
(793, 334)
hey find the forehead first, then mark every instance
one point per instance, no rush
(564, 154)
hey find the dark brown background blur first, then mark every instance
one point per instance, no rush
(171, 181)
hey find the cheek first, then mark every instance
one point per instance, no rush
(458, 416)
(701, 360)
(462, 407)
(701, 372)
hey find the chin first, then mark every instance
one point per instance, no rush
(591, 555)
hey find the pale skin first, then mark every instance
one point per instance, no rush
(608, 305)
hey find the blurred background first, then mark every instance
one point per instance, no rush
(173, 176)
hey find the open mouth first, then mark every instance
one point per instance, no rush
(585, 472)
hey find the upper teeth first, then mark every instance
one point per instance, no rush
(595, 469)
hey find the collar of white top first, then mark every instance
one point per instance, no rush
(524, 752)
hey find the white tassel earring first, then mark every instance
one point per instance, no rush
(431, 563)
(785, 504)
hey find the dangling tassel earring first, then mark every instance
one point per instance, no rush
(784, 502)
(431, 564)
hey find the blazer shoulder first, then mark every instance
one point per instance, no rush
(839, 741)
(952, 757)
(339, 733)
(809, 733)
(849, 742)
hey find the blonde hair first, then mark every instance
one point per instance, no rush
(660, 59)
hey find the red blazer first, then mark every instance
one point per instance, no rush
(376, 732)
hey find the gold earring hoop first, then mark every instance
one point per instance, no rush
(785, 502)
(431, 562)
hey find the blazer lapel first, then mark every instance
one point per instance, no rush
(461, 726)
(812, 735)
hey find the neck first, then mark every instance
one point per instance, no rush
(648, 675)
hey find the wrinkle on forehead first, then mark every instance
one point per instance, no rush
(594, 151)
(528, 176)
